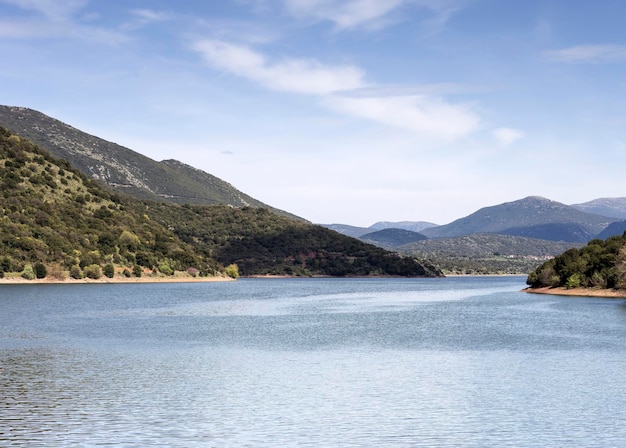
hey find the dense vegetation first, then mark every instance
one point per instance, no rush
(54, 220)
(486, 253)
(599, 264)
(260, 242)
(52, 215)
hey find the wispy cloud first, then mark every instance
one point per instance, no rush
(43, 29)
(53, 9)
(149, 15)
(58, 21)
(372, 14)
(589, 54)
(507, 136)
(426, 116)
(288, 75)
(345, 14)
(343, 89)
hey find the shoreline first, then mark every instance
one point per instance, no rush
(578, 292)
(114, 280)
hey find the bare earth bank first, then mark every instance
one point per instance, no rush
(582, 292)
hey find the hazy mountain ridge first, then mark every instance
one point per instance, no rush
(524, 213)
(121, 168)
(392, 238)
(611, 207)
(513, 237)
(413, 226)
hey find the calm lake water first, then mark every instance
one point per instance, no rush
(466, 362)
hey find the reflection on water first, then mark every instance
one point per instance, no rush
(257, 365)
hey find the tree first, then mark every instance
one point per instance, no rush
(40, 270)
(93, 271)
(28, 273)
(232, 270)
(108, 270)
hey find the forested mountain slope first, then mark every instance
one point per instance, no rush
(52, 214)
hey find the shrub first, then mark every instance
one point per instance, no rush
(109, 270)
(93, 271)
(192, 271)
(76, 272)
(40, 270)
(56, 272)
(137, 271)
(232, 270)
(166, 269)
(28, 273)
(126, 273)
(574, 281)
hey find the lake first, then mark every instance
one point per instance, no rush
(464, 362)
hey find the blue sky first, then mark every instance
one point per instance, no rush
(349, 111)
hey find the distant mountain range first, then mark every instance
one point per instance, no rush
(531, 217)
(611, 207)
(521, 232)
(391, 238)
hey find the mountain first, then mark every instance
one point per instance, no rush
(344, 229)
(611, 207)
(52, 214)
(261, 242)
(531, 212)
(570, 232)
(123, 169)
(614, 229)
(413, 226)
(359, 232)
(391, 238)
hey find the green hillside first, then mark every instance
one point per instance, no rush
(599, 264)
(261, 242)
(53, 215)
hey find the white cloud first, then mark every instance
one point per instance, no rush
(373, 14)
(289, 75)
(345, 14)
(427, 116)
(53, 9)
(58, 22)
(589, 54)
(507, 136)
(149, 15)
(38, 29)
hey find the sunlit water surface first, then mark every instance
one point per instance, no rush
(319, 362)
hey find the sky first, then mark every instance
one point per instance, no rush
(352, 111)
